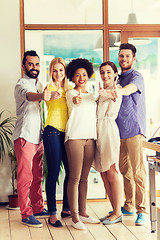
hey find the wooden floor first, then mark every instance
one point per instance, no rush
(12, 229)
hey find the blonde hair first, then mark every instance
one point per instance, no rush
(52, 63)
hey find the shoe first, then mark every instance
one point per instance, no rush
(31, 221)
(64, 215)
(89, 219)
(140, 219)
(103, 218)
(79, 225)
(56, 224)
(125, 212)
(42, 214)
(107, 221)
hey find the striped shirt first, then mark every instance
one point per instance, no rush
(131, 119)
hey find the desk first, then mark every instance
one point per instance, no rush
(154, 165)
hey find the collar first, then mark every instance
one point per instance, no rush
(125, 73)
(35, 80)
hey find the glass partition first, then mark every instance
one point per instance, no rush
(63, 12)
(148, 63)
(68, 45)
(134, 11)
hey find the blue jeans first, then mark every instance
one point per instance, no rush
(55, 152)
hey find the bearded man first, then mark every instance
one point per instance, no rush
(131, 122)
(27, 138)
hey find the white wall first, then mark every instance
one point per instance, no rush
(10, 71)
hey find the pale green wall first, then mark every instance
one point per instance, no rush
(10, 71)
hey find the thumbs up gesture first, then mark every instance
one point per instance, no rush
(78, 98)
(114, 92)
(46, 93)
(102, 92)
(59, 88)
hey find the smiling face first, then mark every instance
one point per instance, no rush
(80, 78)
(107, 75)
(126, 59)
(58, 73)
(32, 66)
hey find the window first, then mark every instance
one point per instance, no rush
(63, 12)
(134, 12)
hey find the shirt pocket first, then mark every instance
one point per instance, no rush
(23, 142)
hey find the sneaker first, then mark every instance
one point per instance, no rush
(31, 221)
(140, 219)
(125, 212)
(42, 214)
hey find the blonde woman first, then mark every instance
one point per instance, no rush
(53, 138)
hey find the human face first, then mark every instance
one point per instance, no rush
(107, 75)
(58, 73)
(126, 59)
(80, 78)
(32, 66)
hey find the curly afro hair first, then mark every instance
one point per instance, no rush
(79, 63)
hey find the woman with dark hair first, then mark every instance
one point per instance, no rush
(108, 141)
(80, 135)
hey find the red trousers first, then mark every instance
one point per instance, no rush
(29, 176)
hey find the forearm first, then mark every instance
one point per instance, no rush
(34, 97)
(129, 89)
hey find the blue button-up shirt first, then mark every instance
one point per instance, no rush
(131, 119)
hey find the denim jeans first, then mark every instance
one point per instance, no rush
(53, 140)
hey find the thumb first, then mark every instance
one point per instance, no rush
(79, 92)
(59, 86)
(114, 85)
(47, 86)
(100, 87)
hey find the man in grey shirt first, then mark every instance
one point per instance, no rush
(27, 138)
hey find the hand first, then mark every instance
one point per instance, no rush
(102, 92)
(46, 93)
(78, 98)
(57, 94)
(114, 92)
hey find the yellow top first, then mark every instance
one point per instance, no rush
(57, 111)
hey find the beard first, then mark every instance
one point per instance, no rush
(31, 74)
(128, 67)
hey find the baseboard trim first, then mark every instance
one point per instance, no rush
(88, 200)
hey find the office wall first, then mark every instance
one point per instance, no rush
(10, 71)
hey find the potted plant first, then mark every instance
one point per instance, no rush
(13, 198)
(6, 146)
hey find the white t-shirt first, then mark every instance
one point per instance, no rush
(82, 117)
